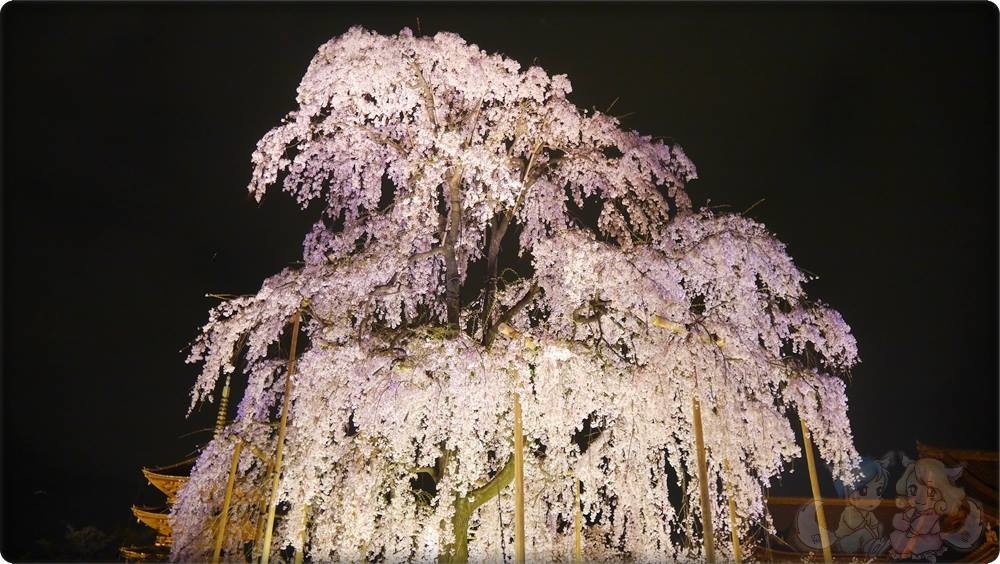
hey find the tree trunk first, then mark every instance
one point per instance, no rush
(490, 289)
(458, 550)
(452, 281)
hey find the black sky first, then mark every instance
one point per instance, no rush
(870, 129)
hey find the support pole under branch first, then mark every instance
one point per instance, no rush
(518, 482)
(577, 524)
(824, 536)
(732, 516)
(300, 553)
(706, 509)
(220, 535)
(272, 504)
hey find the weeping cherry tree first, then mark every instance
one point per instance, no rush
(482, 237)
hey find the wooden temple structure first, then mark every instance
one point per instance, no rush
(168, 480)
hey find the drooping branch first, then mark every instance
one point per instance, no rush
(526, 184)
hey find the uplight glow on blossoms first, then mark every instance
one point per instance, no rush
(428, 157)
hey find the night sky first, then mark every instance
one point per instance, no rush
(870, 130)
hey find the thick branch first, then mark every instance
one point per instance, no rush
(491, 489)
(526, 184)
(452, 280)
(497, 232)
(458, 551)
(490, 288)
(428, 95)
(491, 333)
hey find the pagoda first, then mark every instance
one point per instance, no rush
(168, 480)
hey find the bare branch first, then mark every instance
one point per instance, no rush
(510, 313)
(475, 120)
(385, 140)
(428, 94)
(452, 279)
(227, 297)
(755, 204)
(505, 222)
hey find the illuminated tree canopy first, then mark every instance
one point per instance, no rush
(482, 236)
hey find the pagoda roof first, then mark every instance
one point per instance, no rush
(154, 553)
(158, 521)
(166, 483)
(182, 468)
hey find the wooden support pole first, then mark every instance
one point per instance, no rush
(737, 557)
(577, 524)
(706, 509)
(220, 535)
(518, 482)
(272, 504)
(824, 536)
(261, 511)
(300, 553)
